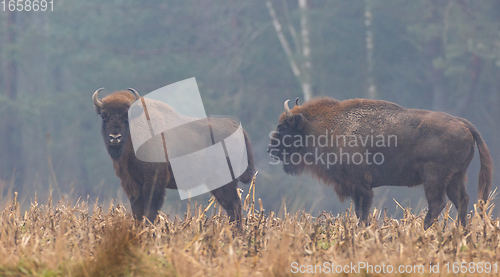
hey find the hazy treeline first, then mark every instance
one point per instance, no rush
(440, 55)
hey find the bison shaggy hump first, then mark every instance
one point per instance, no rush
(144, 183)
(359, 144)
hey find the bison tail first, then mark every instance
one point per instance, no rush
(486, 170)
(247, 176)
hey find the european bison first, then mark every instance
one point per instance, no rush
(359, 144)
(144, 183)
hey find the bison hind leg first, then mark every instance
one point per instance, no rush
(434, 188)
(458, 195)
(227, 197)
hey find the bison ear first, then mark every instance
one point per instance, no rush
(299, 121)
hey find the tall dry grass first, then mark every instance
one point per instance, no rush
(80, 240)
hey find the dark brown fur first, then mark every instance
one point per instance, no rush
(433, 149)
(144, 183)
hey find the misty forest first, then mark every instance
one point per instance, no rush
(248, 57)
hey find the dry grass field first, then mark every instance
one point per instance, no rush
(66, 239)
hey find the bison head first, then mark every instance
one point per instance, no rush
(287, 141)
(113, 110)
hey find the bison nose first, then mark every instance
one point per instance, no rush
(115, 138)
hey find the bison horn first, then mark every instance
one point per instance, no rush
(297, 101)
(95, 98)
(136, 94)
(287, 109)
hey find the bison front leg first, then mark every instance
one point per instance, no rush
(154, 203)
(362, 202)
(147, 205)
(228, 198)
(137, 204)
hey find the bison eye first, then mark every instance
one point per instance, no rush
(282, 128)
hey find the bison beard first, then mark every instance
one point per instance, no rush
(144, 183)
(433, 149)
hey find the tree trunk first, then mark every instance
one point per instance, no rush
(11, 63)
(434, 50)
(306, 50)
(12, 135)
(371, 87)
(301, 66)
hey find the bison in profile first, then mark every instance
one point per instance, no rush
(359, 144)
(144, 183)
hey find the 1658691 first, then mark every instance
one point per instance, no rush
(27, 5)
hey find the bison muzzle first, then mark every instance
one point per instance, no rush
(359, 144)
(144, 183)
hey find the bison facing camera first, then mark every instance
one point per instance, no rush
(170, 126)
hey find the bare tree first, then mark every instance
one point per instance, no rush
(372, 88)
(12, 134)
(301, 62)
(11, 63)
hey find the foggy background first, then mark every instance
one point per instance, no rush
(441, 55)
